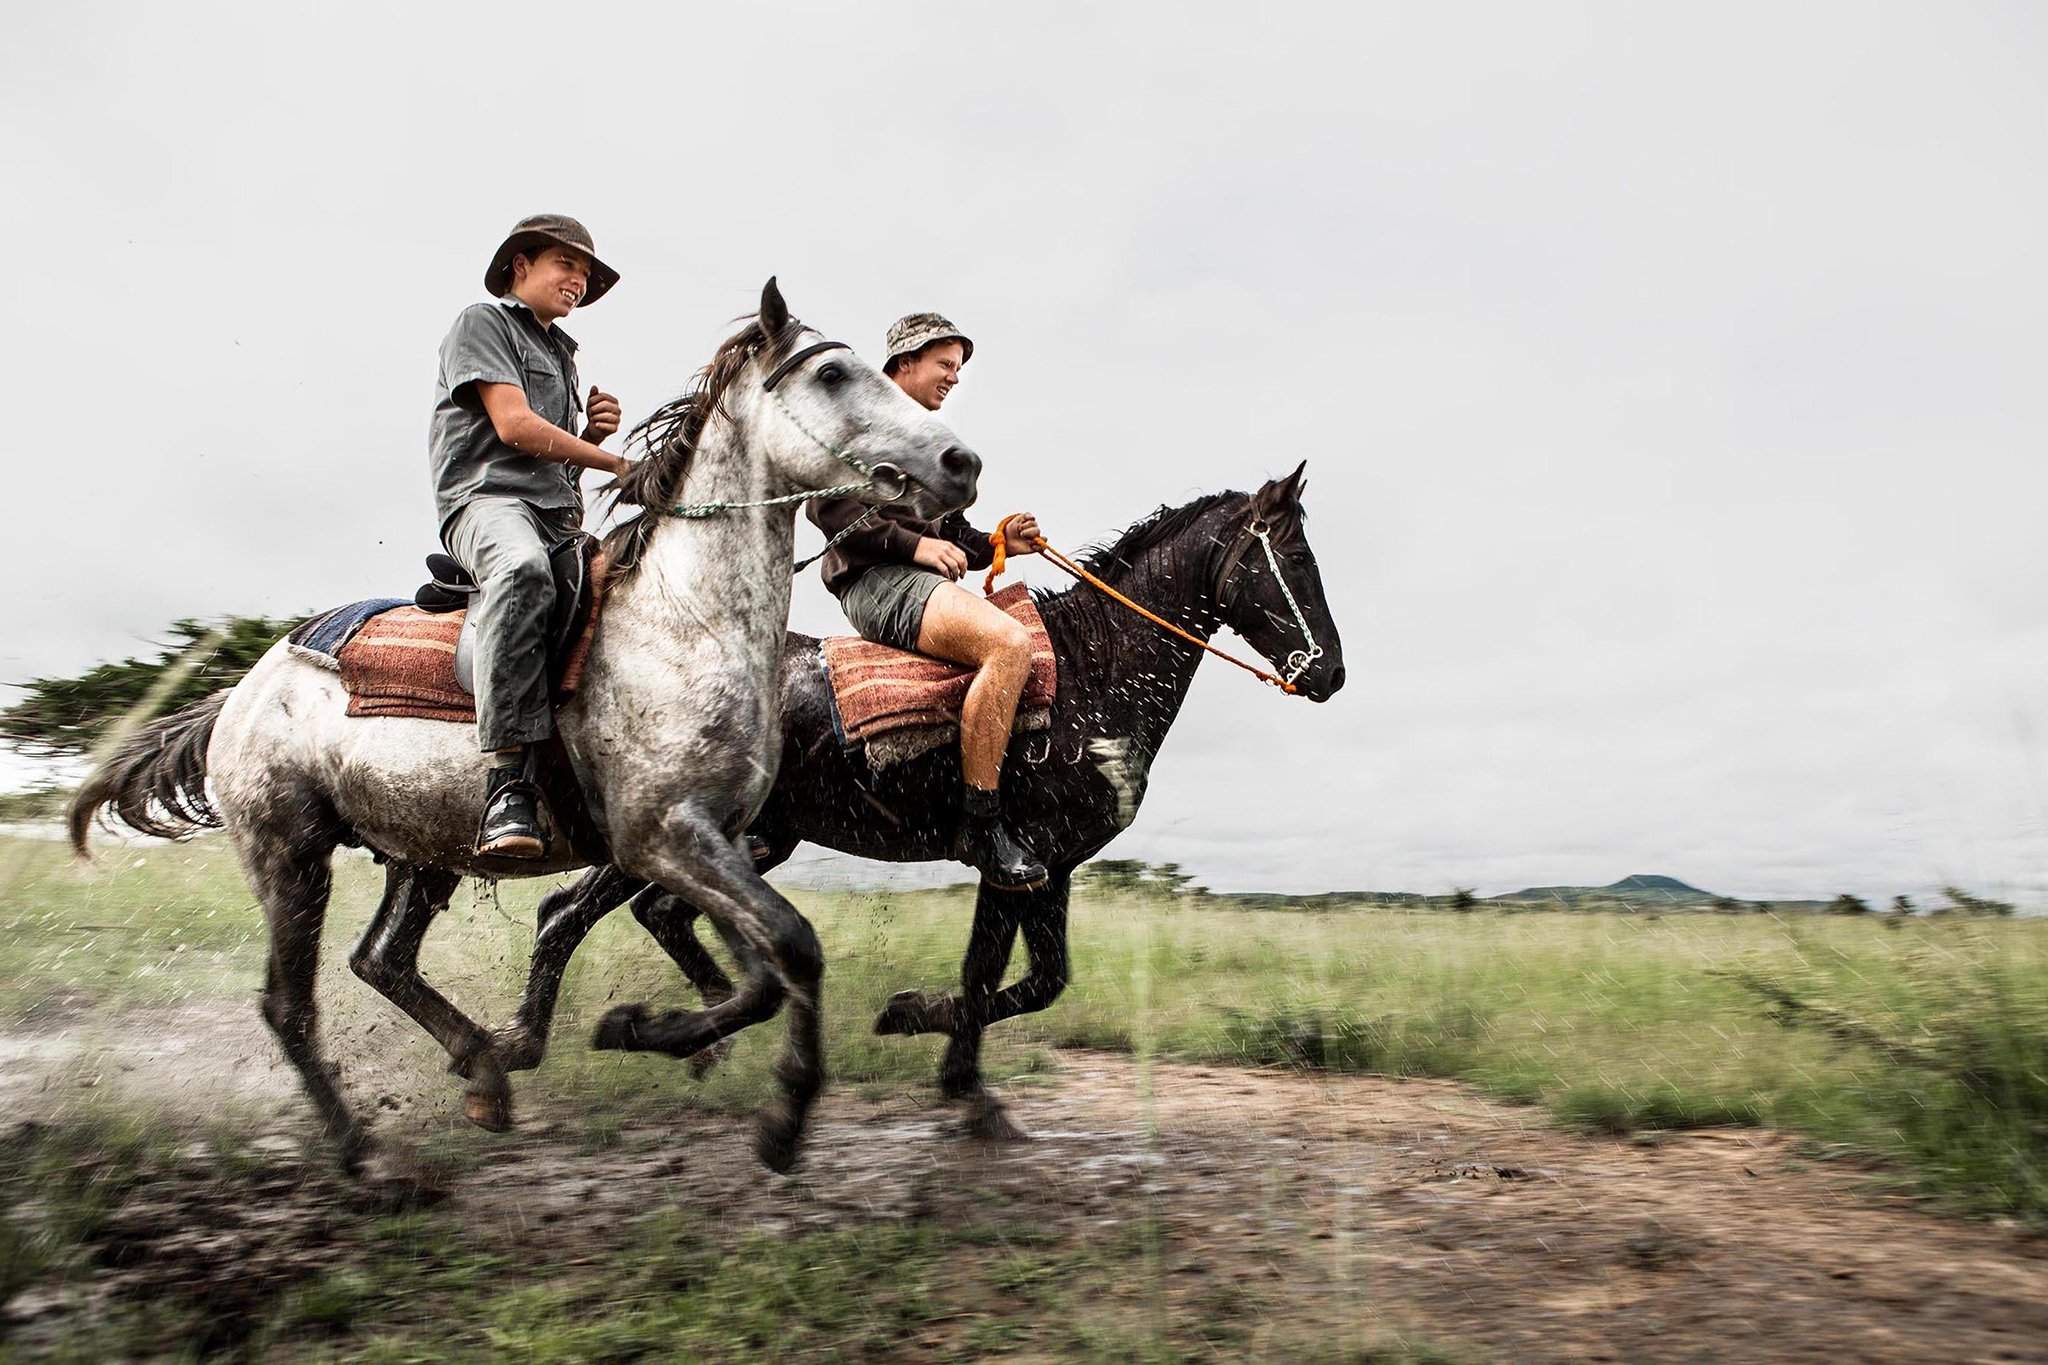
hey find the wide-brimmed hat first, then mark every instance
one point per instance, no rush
(919, 330)
(544, 228)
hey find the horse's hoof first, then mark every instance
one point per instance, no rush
(490, 1110)
(619, 1030)
(908, 1012)
(778, 1141)
(353, 1148)
(988, 1121)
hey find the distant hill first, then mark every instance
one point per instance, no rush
(1645, 893)
(1640, 887)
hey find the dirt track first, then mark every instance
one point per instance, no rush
(1288, 1207)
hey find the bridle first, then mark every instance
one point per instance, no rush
(887, 480)
(1298, 661)
(796, 358)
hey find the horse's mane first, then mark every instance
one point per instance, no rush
(669, 435)
(1162, 524)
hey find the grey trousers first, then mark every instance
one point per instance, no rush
(503, 542)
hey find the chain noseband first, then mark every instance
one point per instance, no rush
(1297, 662)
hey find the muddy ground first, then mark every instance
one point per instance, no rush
(1226, 1213)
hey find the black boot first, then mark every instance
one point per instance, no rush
(985, 844)
(511, 824)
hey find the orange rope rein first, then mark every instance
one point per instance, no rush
(1000, 540)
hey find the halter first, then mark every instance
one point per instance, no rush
(872, 477)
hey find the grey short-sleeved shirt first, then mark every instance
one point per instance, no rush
(501, 343)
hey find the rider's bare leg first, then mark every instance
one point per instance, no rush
(966, 629)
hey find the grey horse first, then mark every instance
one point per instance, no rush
(675, 732)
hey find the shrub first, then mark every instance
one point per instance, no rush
(1962, 902)
(1964, 1081)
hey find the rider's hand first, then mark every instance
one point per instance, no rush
(941, 556)
(602, 410)
(1019, 533)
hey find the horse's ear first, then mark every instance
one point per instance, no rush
(1279, 496)
(774, 312)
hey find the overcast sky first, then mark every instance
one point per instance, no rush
(1671, 382)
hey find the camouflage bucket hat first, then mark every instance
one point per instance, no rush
(557, 229)
(910, 334)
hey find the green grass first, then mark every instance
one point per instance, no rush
(1616, 1022)
(679, 1290)
(79, 1172)
(1924, 1043)
(154, 925)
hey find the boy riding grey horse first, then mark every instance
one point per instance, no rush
(894, 576)
(506, 469)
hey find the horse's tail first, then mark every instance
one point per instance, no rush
(156, 779)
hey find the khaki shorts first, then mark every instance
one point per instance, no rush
(886, 604)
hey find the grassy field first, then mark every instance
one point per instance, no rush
(1925, 1041)
(1920, 1046)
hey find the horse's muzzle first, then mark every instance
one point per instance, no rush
(1320, 685)
(952, 486)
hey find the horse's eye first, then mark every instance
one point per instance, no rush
(831, 374)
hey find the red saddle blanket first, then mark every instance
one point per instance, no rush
(402, 662)
(879, 689)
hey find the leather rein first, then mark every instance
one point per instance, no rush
(1298, 662)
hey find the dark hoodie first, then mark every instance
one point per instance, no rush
(889, 537)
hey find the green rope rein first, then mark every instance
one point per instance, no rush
(712, 509)
(698, 510)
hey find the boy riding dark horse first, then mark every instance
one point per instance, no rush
(506, 467)
(896, 578)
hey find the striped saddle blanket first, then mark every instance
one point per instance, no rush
(396, 660)
(899, 704)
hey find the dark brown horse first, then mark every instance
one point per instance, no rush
(1068, 790)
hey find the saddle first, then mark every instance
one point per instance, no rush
(897, 705)
(450, 587)
(415, 660)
